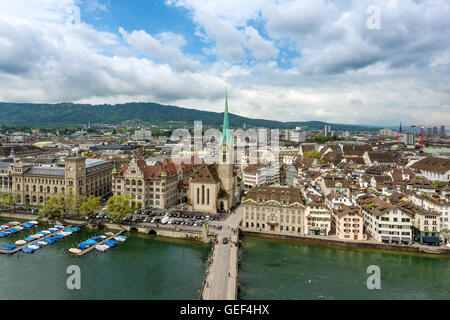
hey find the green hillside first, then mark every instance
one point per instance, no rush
(63, 114)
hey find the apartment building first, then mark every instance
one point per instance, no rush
(426, 227)
(385, 222)
(349, 223)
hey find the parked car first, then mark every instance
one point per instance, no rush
(225, 240)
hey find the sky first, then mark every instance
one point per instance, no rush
(341, 61)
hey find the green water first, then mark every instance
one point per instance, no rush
(144, 267)
(272, 269)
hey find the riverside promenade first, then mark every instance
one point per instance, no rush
(221, 279)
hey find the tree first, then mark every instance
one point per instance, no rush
(120, 206)
(91, 205)
(8, 200)
(313, 154)
(53, 207)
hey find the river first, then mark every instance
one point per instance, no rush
(144, 267)
(274, 269)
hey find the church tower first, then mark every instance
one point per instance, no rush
(225, 167)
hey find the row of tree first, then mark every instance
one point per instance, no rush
(60, 205)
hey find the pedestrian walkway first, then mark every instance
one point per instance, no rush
(221, 276)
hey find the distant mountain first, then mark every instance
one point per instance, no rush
(63, 114)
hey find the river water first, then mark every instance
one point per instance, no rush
(274, 269)
(144, 267)
(149, 267)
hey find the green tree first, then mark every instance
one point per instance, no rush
(8, 200)
(90, 205)
(313, 154)
(120, 206)
(54, 207)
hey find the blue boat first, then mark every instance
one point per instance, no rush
(83, 246)
(27, 225)
(28, 250)
(9, 246)
(75, 229)
(58, 236)
(3, 234)
(29, 239)
(91, 242)
(11, 231)
(110, 243)
(58, 227)
(68, 230)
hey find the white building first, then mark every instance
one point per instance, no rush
(260, 175)
(384, 222)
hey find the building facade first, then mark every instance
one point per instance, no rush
(276, 210)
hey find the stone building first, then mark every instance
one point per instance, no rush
(277, 210)
(80, 177)
(154, 186)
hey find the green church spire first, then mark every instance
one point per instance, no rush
(226, 125)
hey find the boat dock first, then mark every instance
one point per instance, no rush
(82, 253)
(18, 248)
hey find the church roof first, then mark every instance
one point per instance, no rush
(205, 174)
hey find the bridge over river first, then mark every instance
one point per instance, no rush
(221, 275)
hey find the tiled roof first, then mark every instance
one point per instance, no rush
(433, 164)
(287, 196)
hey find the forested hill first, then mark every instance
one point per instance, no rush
(62, 114)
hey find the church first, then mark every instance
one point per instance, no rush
(215, 187)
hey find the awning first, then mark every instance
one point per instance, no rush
(385, 238)
(431, 239)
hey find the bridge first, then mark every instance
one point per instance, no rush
(222, 274)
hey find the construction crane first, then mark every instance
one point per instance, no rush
(422, 127)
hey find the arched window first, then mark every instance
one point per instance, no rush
(41, 189)
(41, 199)
(203, 194)
(55, 190)
(48, 189)
(34, 188)
(18, 187)
(34, 199)
(27, 188)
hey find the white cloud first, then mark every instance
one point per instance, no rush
(261, 48)
(343, 72)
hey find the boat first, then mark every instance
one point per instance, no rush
(28, 225)
(58, 227)
(28, 250)
(15, 223)
(29, 239)
(33, 222)
(101, 247)
(119, 238)
(74, 250)
(3, 234)
(83, 246)
(75, 229)
(52, 229)
(109, 234)
(45, 232)
(9, 246)
(110, 243)
(34, 247)
(20, 242)
(43, 243)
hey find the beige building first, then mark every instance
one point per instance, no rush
(154, 186)
(80, 177)
(349, 223)
(277, 210)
